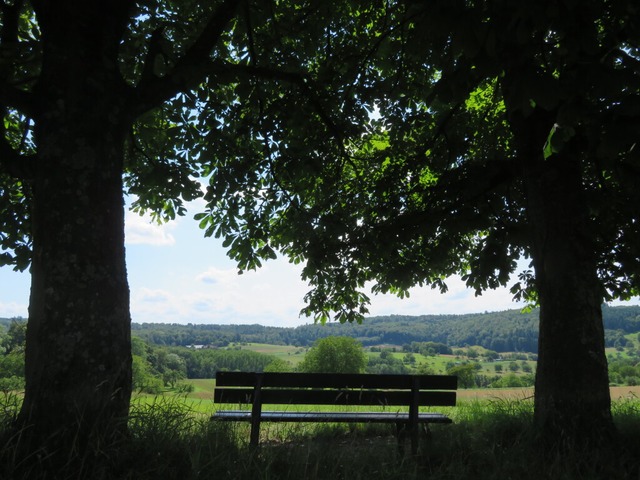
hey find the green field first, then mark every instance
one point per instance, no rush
(437, 364)
(487, 364)
(288, 353)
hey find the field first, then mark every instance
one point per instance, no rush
(201, 398)
(617, 393)
(508, 363)
(436, 364)
(172, 437)
(288, 353)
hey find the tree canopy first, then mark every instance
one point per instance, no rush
(393, 142)
(434, 183)
(498, 131)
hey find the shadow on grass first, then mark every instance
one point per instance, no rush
(489, 440)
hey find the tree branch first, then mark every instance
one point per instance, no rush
(10, 17)
(189, 70)
(155, 49)
(11, 97)
(20, 167)
(302, 80)
(463, 189)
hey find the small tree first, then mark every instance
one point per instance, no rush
(278, 365)
(466, 374)
(334, 355)
(13, 340)
(409, 358)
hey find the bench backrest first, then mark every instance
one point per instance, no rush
(329, 389)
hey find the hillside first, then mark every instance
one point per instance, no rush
(504, 331)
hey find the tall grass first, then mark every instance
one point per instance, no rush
(170, 439)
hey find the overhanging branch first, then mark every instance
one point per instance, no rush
(20, 167)
(14, 98)
(190, 70)
(10, 96)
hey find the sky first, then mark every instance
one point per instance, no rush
(176, 275)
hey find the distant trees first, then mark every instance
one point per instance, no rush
(428, 348)
(205, 363)
(512, 380)
(386, 362)
(143, 378)
(14, 338)
(12, 355)
(506, 331)
(624, 371)
(278, 365)
(157, 367)
(335, 355)
(466, 375)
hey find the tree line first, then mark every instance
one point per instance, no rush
(160, 367)
(506, 331)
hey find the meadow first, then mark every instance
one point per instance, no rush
(171, 436)
(435, 363)
(202, 394)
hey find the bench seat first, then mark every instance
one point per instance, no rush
(331, 417)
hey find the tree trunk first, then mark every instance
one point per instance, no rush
(572, 398)
(78, 353)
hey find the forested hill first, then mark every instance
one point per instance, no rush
(509, 330)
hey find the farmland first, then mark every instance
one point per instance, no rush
(203, 393)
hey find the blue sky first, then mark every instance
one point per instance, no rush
(178, 276)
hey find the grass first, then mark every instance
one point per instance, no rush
(288, 353)
(490, 439)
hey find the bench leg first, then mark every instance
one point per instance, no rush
(402, 429)
(415, 433)
(401, 432)
(254, 439)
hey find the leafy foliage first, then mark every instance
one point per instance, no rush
(334, 355)
(386, 363)
(393, 142)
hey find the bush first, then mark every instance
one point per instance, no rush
(513, 381)
(11, 384)
(334, 355)
(466, 374)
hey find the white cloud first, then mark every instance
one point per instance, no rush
(13, 309)
(217, 276)
(459, 299)
(148, 295)
(274, 295)
(270, 296)
(142, 230)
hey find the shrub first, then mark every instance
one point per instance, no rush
(334, 355)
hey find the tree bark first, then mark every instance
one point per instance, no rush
(572, 398)
(78, 349)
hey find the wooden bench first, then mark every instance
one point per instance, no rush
(388, 391)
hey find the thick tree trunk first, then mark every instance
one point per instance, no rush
(572, 398)
(78, 360)
(78, 354)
